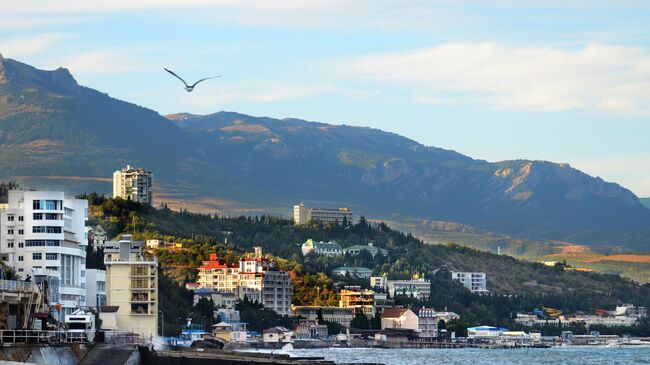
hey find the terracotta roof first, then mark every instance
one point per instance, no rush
(393, 312)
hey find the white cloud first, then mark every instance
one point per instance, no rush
(104, 61)
(597, 77)
(29, 45)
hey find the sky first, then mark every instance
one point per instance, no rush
(565, 81)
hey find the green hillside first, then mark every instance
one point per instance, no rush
(518, 285)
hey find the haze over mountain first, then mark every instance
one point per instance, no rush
(51, 126)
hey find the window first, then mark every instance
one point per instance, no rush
(20, 269)
(52, 268)
(21, 231)
(51, 256)
(37, 256)
(21, 245)
(10, 231)
(20, 258)
(20, 218)
(10, 218)
(46, 229)
(40, 243)
(52, 216)
(36, 205)
(38, 216)
(10, 245)
(83, 273)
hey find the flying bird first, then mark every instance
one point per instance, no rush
(189, 88)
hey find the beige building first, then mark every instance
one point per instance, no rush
(132, 286)
(133, 184)
(360, 300)
(399, 318)
(303, 215)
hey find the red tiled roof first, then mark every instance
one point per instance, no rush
(393, 312)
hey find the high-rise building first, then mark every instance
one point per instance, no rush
(134, 184)
(132, 286)
(43, 236)
(303, 215)
(476, 282)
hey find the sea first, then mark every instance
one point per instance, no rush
(556, 356)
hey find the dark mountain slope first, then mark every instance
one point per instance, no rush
(375, 171)
(51, 126)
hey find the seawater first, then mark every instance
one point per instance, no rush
(555, 355)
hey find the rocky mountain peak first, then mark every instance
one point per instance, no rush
(24, 76)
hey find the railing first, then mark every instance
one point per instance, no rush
(14, 285)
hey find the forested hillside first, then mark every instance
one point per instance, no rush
(517, 285)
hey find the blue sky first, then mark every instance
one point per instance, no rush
(567, 81)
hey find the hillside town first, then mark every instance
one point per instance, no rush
(50, 291)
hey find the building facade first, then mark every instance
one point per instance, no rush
(43, 236)
(399, 318)
(370, 248)
(254, 278)
(330, 249)
(427, 322)
(353, 272)
(303, 215)
(415, 288)
(95, 287)
(134, 184)
(361, 301)
(342, 316)
(132, 286)
(476, 282)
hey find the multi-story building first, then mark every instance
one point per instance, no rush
(330, 249)
(303, 215)
(353, 272)
(476, 282)
(254, 278)
(95, 287)
(427, 322)
(342, 316)
(360, 300)
(415, 288)
(43, 236)
(218, 275)
(370, 248)
(132, 286)
(133, 184)
(277, 291)
(306, 329)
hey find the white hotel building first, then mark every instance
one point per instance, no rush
(43, 235)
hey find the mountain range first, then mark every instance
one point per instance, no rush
(60, 134)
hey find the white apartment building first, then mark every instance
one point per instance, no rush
(476, 282)
(415, 288)
(43, 235)
(132, 286)
(255, 278)
(303, 215)
(134, 184)
(95, 287)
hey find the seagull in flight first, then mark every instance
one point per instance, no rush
(189, 88)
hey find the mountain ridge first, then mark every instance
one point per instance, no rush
(49, 126)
